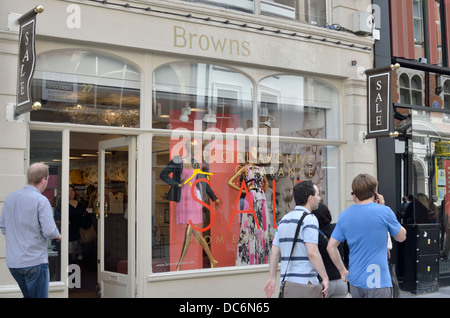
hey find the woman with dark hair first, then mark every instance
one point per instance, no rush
(337, 288)
(77, 220)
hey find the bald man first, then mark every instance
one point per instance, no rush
(27, 222)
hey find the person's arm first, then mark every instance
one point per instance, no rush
(231, 181)
(316, 260)
(335, 256)
(401, 235)
(266, 183)
(46, 220)
(269, 287)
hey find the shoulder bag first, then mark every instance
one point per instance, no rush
(296, 290)
(87, 233)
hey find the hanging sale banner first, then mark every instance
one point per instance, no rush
(380, 119)
(27, 61)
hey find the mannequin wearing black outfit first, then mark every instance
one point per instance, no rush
(176, 166)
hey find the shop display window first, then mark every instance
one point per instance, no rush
(427, 177)
(217, 200)
(84, 87)
(46, 147)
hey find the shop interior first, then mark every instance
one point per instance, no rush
(46, 146)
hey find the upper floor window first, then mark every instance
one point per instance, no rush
(85, 87)
(240, 5)
(410, 89)
(308, 11)
(418, 21)
(446, 91)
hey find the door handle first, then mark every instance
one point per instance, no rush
(106, 209)
(97, 206)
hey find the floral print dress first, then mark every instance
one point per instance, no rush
(254, 244)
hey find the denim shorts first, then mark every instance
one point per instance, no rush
(33, 281)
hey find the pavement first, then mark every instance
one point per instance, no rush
(443, 292)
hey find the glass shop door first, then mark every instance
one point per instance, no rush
(116, 204)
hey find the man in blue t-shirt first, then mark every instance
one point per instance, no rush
(365, 226)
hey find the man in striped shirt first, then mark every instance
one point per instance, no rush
(306, 262)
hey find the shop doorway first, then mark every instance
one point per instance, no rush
(101, 174)
(107, 180)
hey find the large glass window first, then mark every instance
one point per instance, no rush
(446, 92)
(46, 147)
(308, 11)
(298, 107)
(217, 200)
(418, 21)
(428, 181)
(84, 87)
(199, 96)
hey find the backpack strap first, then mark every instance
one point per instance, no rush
(323, 234)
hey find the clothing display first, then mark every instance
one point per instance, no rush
(115, 202)
(176, 167)
(184, 174)
(254, 244)
(188, 208)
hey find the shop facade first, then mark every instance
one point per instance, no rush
(183, 132)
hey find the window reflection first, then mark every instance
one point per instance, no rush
(428, 184)
(199, 96)
(45, 146)
(298, 107)
(239, 5)
(308, 11)
(86, 88)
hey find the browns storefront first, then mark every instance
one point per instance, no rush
(182, 134)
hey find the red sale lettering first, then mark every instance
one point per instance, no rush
(273, 205)
(247, 197)
(210, 208)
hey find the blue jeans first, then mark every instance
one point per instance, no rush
(33, 281)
